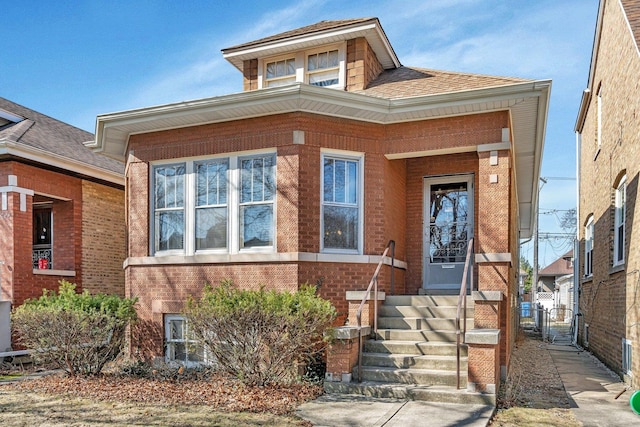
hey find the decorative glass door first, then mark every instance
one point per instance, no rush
(448, 226)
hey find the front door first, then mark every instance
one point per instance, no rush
(448, 226)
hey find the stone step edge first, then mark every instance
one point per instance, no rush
(433, 393)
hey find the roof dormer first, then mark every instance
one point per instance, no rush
(345, 54)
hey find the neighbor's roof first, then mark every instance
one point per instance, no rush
(560, 267)
(405, 82)
(36, 137)
(632, 10)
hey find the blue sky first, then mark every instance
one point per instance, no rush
(73, 60)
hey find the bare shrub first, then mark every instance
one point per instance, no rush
(78, 333)
(260, 337)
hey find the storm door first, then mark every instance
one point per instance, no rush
(448, 226)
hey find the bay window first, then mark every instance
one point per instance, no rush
(341, 204)
(214, 205)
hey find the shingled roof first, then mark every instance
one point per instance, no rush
(632, 10)
(560, 267)
(302, 31)
(38, 133)
(404, 82)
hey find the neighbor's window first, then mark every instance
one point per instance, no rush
(619, 226)
(279, 73)
(323, 68)
(169, 198)
(341, 207)
(181, 346)
(257, 190)
(627, 351)
(211, 204)
(588, 247)
(42, 249)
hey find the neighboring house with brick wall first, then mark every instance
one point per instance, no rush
(61, 208)
(332, 149)
(608, 131)
(548, 276)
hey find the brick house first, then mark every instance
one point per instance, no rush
(548, 276)
(607, 127)
(332, 149)
(61, 209)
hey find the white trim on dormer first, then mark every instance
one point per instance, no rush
(371, 30)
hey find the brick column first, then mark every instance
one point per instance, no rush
(368, 311)
(342, 353)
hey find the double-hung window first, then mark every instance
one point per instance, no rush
(214, 205)
(169, 198)
(280, 72)
(323, 68)
(341, 203)
(588, 247)
(619, 223)
(211, 204)
(257, 190)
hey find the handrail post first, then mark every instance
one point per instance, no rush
(462, 296)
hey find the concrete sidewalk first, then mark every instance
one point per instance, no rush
(592, 388)
(350, 410)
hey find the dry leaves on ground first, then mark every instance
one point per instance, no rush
(216, 391)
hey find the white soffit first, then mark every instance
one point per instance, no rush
(527, 103)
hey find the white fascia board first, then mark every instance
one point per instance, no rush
(290, 98)
(55, 160)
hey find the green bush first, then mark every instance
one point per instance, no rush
(261, 337)
(77, 332)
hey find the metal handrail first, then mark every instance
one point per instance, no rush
(373, 282)
(463, 300)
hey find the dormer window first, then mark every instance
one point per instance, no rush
(280, 73)
(323, 68)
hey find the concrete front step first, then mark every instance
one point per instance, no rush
(406, 361)
(421, 323)
(426, 300)
(412, 347)
(444, 311)
(428, 393)
(417, 335)
(411, 376)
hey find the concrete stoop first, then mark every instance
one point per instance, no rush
(427, 393)
(413, 355)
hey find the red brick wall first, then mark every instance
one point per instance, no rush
(393, 192)
(417, 169)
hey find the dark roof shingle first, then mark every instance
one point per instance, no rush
(42, 132)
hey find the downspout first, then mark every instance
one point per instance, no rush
(576, 247)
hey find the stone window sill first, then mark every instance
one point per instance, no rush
(65, 273)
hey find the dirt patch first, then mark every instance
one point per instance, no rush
(533, 394)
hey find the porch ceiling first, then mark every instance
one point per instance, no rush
(527, 103)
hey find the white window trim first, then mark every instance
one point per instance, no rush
(588, 237)
(621, 195)
(346, 155)
(233, 206)
(341, 48)
(168, 341)
(301, 65)
(627, 356)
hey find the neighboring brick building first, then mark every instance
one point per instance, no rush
(333, 149)
(61, 208)
(608, 128)
(548, 276)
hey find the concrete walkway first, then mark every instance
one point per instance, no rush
(350, 410)
(592, 388)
